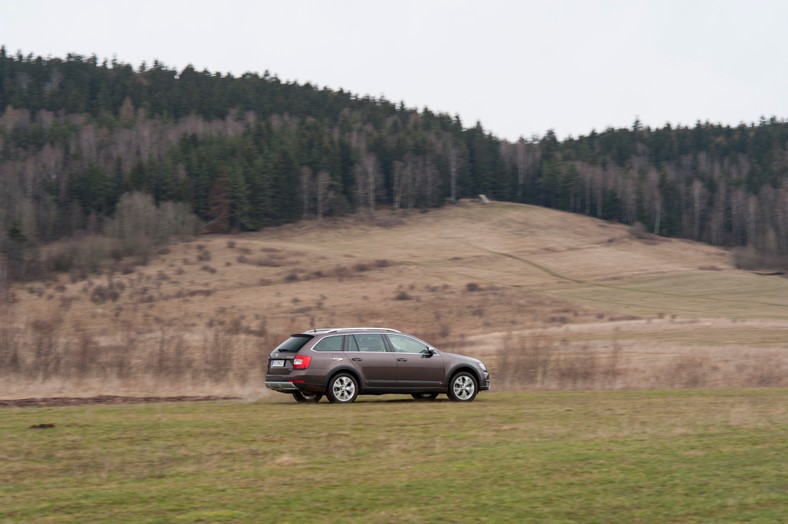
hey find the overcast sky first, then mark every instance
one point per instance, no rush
(519, 67)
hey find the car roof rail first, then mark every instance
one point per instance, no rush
(319, 330)
(337, 330)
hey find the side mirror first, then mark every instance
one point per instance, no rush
(428, 352)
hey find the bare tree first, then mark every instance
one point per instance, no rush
(521, 160)
(698, 205)
(738, 219)
(654, 194)
(126, 113)
(3, 284)
(321, 190)
(657, 211)
(397, 185)
(370, 163)
(781, 217)
(306, 182)
(366, 170)
(453, 158)
(366, 179)
(630, 200)
(430, 175)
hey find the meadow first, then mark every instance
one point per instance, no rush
(625, 456)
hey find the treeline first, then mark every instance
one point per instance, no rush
(243, 153)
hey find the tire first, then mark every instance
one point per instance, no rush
(342, 389)
(309, 398)
(424, 396)
(463, 387)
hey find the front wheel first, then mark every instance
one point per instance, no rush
(463, 387)
(311, 398)
(342, 389)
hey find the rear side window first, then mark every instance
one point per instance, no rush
(329, 344)
(294, 343)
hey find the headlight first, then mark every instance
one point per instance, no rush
(484, 368)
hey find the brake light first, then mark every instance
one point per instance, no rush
(301, 362)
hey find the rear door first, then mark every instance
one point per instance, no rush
(367, 352)
(327, 355)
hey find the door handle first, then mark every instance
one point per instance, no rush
(356, 359)
(402, 359)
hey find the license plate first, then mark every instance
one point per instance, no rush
(277, 363)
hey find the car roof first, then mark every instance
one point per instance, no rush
(326, 331)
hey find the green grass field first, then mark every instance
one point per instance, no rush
(677, 456)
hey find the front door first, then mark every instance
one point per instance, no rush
(416, 367)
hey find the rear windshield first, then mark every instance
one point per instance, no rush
(293, 343)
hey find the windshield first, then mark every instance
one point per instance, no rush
(293, 343)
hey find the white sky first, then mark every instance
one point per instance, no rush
(519, 67)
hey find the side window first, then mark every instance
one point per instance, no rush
(329, 344)
(370, 343)
(403, 344)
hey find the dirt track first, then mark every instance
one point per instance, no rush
(103, 399)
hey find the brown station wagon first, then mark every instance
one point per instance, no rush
(343, 363)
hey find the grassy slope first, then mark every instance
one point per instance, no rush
(681, 456)
(513, 247)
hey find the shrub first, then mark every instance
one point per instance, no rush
(751, 259)
(102, 294)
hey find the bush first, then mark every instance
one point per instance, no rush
(402, 295)
(101, 294)
(750, 258)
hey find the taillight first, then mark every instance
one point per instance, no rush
(301, 362)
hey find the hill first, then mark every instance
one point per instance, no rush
(550, 299)
(80, 138)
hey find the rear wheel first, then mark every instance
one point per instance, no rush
(463, 387)
(342, 389)
(424, 396)
(303, 396)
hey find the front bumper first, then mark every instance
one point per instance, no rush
(485, 383)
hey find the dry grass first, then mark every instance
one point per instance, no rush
(539, 361)
(201, 316)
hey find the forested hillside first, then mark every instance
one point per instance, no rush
(129, 157)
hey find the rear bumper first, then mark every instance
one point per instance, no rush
(284, 387)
